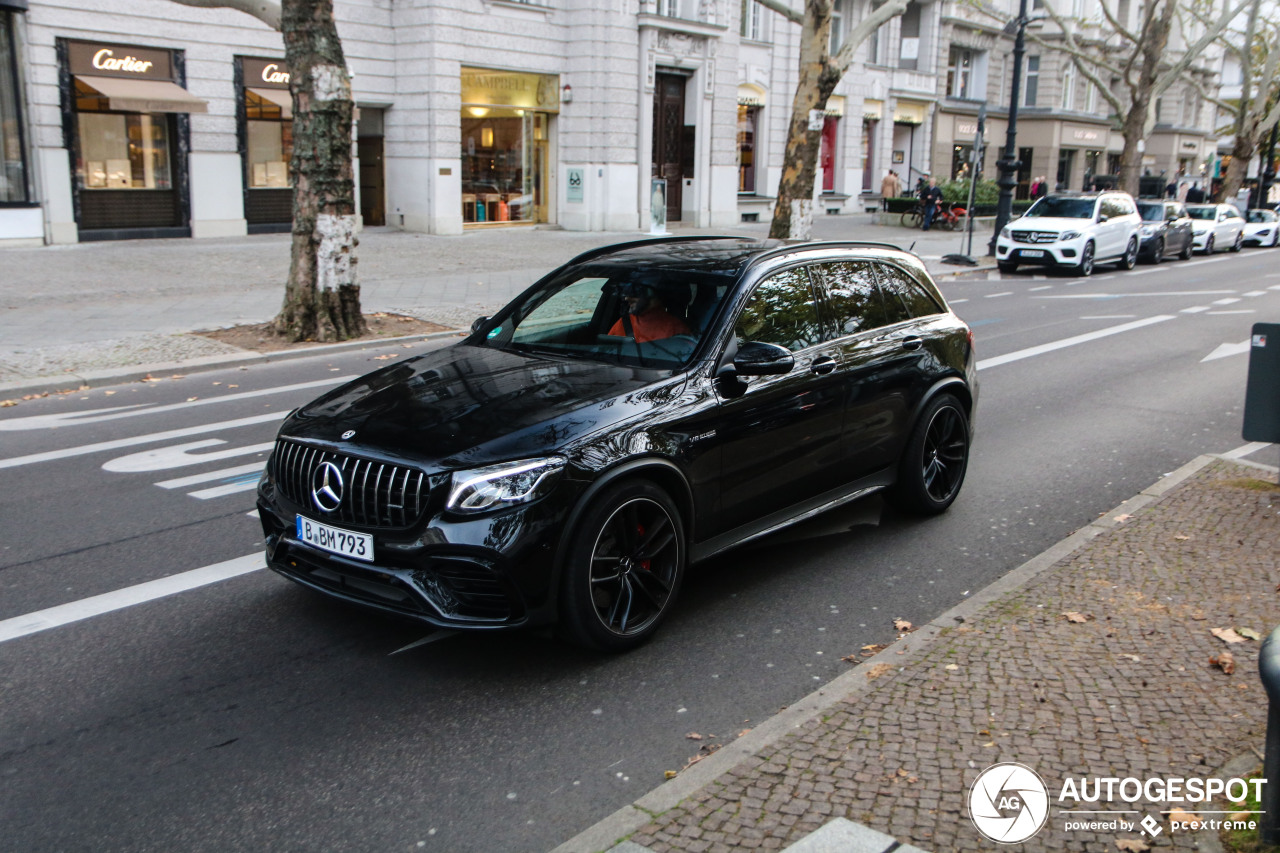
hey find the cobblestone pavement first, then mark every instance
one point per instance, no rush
(1129, 692)
(92, 306)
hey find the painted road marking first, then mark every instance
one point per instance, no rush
(1195, 309)
(1110, 317)
(93, 416)
(178, 456)
(1124, 295)
(87, 608)
(1237, 311)
(994, 295)
(1041, 287)
(210, 476)
(134, 441)
(1228, 301)
(1072, 341)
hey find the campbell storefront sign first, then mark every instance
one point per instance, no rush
(266, 73)
(118, 60)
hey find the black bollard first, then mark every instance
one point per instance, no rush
(1269, 671)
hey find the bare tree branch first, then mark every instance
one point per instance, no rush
(795, 17)
(267, 11)
(863, 30)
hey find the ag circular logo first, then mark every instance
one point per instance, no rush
(1008, 802)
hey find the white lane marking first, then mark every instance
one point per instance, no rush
(1245, 449)
(1230, 300)
(1103, 277)
(1041, 287)
(1195, 309)
(994, 295)
(1186, 264)
(1142, 272)
(1110, 317)
(87, 608)
(246, 485)
(1124, 295)
(1237, 311)
(93, 416)
(1255, 293)
(178, 456)
(253, 513)
(1225, 350)
(956, 301)
(133, 441)
(430, 638)
(210, 476)
(1072, 341)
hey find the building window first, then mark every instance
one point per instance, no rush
(269, 141)
(909, 51)
(960, 73)
(748, 118)
(753, 21)
(837, 26)
(669, 8)
(1090, 97)
(1032, 81)
(1068, 86)
(13, 159)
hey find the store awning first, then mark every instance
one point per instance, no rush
(872, 109)
(751, 95)
(145, 96)
(835, 106)
(280, 97)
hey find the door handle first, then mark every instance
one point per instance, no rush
(911, 342)
(826, 364)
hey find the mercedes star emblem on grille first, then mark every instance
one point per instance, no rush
(326, 487)
(348, 434)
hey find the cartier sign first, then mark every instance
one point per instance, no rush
(118, 60)
(265, 73)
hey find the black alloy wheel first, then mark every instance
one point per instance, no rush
(1208, 245)
(625, 567)
(1158, 255)
(1236, 246)
(1130, 258)
(1187, 248)
(935, 460)
(1085, 267)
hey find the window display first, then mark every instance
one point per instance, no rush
(122, 151)
(503, 155)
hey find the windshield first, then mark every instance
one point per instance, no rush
(618, 315)
(1205, 211)
(1261, 216)
(1063, 207)
(1151, 212)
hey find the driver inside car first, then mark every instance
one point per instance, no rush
(646, 318)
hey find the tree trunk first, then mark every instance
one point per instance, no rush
(322, 298)
(1139, 122)
(793, 211)
(1133, 131)
(1246, 146)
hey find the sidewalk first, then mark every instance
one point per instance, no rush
(890, 749)
(71, 313)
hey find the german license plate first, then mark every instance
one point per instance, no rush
(1033, 253)
(335, 540)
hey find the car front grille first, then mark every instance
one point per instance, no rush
(1035, 236)
(373, 494)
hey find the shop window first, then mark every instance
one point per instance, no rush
(748, 119)
(504, 153)
(121, 151)
(1032, 81)
(269, 140)
(14, 183)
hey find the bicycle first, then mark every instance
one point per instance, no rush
(951, 217)
(914, 218)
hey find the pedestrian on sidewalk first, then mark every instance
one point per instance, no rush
(890, 187)
(932, 201)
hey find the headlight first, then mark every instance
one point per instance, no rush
(1264, 232)
(500, 486)
(1005, 232)
(1148, 230)
(1068, 235)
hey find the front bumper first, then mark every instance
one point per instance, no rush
(1200, 240)
(1061, 254)
(1258, 238)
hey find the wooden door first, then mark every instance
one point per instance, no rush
(373, 189)
(669, 137)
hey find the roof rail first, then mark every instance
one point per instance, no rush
(813, 244)
(653, 241)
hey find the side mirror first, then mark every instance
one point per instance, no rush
(479, 324)
(756, 358)
(1102, 217)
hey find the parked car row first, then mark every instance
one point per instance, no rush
(1077, 231)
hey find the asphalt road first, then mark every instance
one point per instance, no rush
(248, 714)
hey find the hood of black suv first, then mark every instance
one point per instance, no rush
(467, 405)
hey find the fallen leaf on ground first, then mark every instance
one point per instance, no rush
(1133, 658)
(952, 666)
(1181, 538)
(1250, 633)
(743, 732)
(1124, 516)
(868, 651)
(384, 357)
(1225, 662)
(851, 659)
(192, 399)
(902, 625)
(1226, 635)
(879, 670)
(4, 404)
(670, 774)
(1076, 616)
(1132, 845)
(693, 736)
(1183, 816)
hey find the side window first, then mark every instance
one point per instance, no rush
(781, 311)
(904, 297)
(851, 302)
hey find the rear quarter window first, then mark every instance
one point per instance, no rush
(904, 297)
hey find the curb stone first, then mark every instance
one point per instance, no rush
(120, 375)
(606, 834)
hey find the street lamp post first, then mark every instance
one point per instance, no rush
(1009, 163)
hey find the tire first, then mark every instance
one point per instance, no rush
(1185, 254)
(1208, 245)
(933, 464)
(1085, 267)
(912, 219)
(1004, 266)
(1130, 258)
(1158, 255)
(623, 569)
(1239, 243)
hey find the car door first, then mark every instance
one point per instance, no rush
(1179, 226)
(1113, 230)
(779, 436)
(864, 304)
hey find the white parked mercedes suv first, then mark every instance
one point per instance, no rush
(1073, 230)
